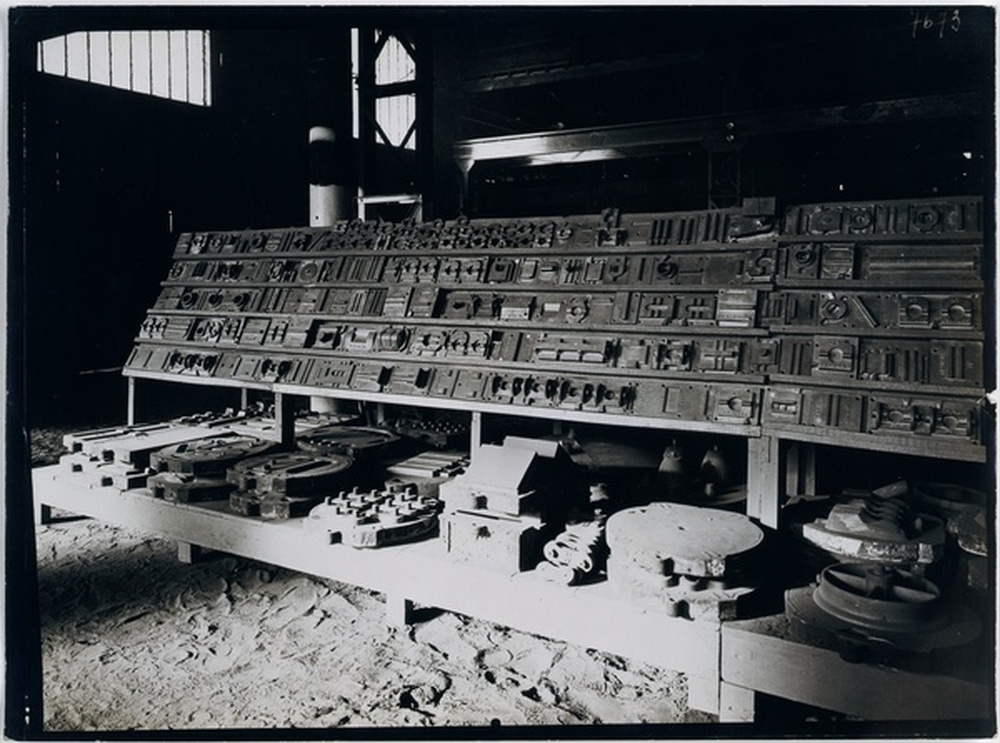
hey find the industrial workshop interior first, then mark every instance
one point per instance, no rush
(500, 372)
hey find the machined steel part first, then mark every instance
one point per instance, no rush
(432, 464)
(183, 487)
(376, 518)
(971, 530)
(878, 530)
(212, 456)
(883, 615)
(358, 442)
(289, 474)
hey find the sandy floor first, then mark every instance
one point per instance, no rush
(133, 639)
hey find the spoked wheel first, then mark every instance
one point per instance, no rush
(880, 598)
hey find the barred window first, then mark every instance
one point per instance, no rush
(165, 64)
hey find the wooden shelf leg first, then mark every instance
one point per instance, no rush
(43, 514)
(130, 410)
(284, 414)
(475, 433)
(189, 553)
(800, 469)
(703, 694)
(764, 479)
(736, 703)
(398, 610)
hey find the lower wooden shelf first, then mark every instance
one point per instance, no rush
(593, 616)
(726, 664)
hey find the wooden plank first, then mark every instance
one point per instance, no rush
(754, 659)
(764, 479)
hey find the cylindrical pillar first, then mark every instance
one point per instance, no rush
(329, 198)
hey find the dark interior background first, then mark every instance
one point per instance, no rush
(103, 180)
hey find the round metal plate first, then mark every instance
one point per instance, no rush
(674, 538)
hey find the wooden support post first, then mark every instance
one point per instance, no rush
(736, 704)
(43, 514)
(189, 553)
(475, 433)
(764, 479)
(800, 469)
(398, 610)
(244, 398)
(703, 694)
(130, 411)
(285, 418)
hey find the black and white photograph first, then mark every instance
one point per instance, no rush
(438, 371)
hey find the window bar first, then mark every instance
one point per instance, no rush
(65, 55)
(89, 76)
(409, 133)
(187, 66)
(170, 67)
(206, 90)
(149, 49)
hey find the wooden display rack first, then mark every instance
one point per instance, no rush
(789, 411)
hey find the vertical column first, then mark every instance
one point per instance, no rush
(703, 693)
(398, 610)
(328, 201)
(188, 553)
(764, 479)
(130, 412)
(475, 433)
(284, 414)
(736, 704)
(331, 169)
(800, 469)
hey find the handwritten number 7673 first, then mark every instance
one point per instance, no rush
(929, 21)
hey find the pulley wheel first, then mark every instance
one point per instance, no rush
(947, 499)
(880, 598)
